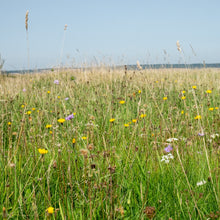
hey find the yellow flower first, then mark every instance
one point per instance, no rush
(209, 91)
(198, 117)
(112, 120)
(74, 141)
(51, 132)
(134, 120)
(122, 102)
(157, 81)
(50, 210)
(152, 134)
(74, 113)
(42, 151)
(61, 120)
(164, 98)
(216, 108)
(58, 97)
(139, 91)
(22, 106)
(182, 112)
(183, 91)
(48, 92)
(33, 109)
(211, 109)
(183, 97)
(9, 123)
(84, 138)
(48, 126)
(143, 115)
(126, 125)
(28, 112)
(194, 87)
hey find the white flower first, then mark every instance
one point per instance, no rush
(172, 139)
(214, 136)
(201, 183)
(166, 158)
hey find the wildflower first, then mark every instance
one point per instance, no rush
(183, 91)
(74, 141)
(69, 117)
(201, 134)
(112, 120)
(183, 97)
(84, 138)
(211, 109)
(172, 139)
(182, 112)
(126, 125)
(51, 132)
(24, 90)
(56, 82)
(9, 123)
(66, 98)
(33, 109)
(168, 148)
(139, 91)
(214, 136)
(58, 97)
(50, 210)
(48, 92)
(164, 98)
(134, 120)
(84, 152)
(143, 115)
(216, 108)
(198, 117)
(201, 183)
(208, 91)
(166, 158)
(122, 102)
(22, 106)
(48, 126)
(61, 120)
(157, 81)
(74, 113)
(194, 87)
(42, 151)
(28, 112)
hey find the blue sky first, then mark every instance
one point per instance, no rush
(109, 31)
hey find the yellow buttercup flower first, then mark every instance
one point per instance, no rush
(139, 91)
(216, 108)
(183, 91)
(61, 120)
(58, 97)
(48, 92)
(112, 120)
(28, 112)
(42, 151)
(182, 112)
(143, 115)
(208, 91)
(22, 106)
(48, 126)
(122, 102)
(9, 123)
(84, 138)
(211, 109)
(51, 132)
(134, 120)
(126, 125)
(50, 210)
(164, 98)
(194, 87)
(74, 141)
(183, 97)
(198, 117)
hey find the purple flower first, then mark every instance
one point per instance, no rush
(56, 82)
(24, 90)
(201, 134)
(168, 148)
(66, 98)
(69, 117)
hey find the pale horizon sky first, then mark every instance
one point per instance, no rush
(113, 32)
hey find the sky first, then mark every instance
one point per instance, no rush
(112, 32)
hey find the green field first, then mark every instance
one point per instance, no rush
(137, 145)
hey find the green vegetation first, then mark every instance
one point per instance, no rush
(136, 145)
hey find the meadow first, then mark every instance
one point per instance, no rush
(106, 143)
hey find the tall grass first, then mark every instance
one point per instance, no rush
(110, 161)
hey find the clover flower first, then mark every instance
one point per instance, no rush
(201, 134)
(66, 98)
(69, 117)
(56, 82)
(168, 149)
